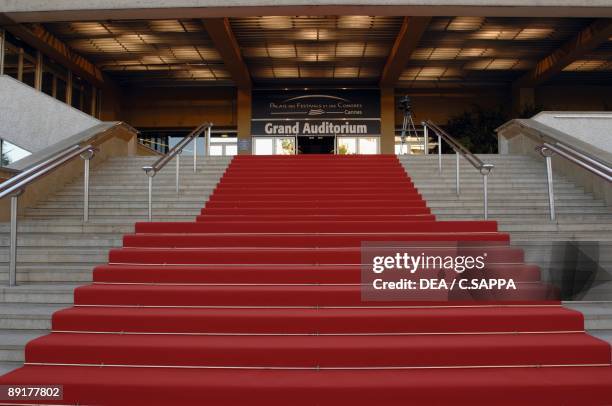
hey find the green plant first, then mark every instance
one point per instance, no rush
(476, 129)
(342, 149)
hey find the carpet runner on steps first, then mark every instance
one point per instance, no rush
(257, 302)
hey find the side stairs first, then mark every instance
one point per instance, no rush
(57, 251)
(518, 200)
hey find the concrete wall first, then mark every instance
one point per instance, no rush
(32, 120)
(118, 141)
(594, 128)
(523, 136)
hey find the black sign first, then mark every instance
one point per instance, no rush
(316, 112)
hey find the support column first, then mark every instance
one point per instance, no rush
(54, 87)
(20, 65)
(69, 88)
(387, 120)
(243, 107)
(38, 73)
(94, 107)
(2, 49)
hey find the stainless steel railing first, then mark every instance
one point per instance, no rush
(175, 152)
(460, 150)
(581, 159)
(16, 185)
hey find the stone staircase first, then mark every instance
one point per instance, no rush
(57, 251)
(518, 200)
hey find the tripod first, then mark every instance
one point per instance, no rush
(408, 127)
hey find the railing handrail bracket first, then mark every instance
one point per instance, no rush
(153, 169)
(483, 168)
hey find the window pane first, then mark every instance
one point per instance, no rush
(53, 71)
(11, 153)
(61, 90)
(87, 97)
(216, 150)
(231, 150)
(47, 83)
(368, 146)
(399, 150)
(11, 61)
(224, 140)
(263, 146)
(285, 146)
(347, 146)
(18, 50)
(29, 72)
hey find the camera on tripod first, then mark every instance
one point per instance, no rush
(408, 128)
(405, 103)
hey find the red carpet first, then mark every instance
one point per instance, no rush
(257, 302)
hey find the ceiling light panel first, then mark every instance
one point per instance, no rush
(492, 50)
(145, 45)
(330, 46)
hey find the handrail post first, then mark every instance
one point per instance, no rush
(150, 174)
(178, 171)
(207, 140)
(547, 154)
(457, 187)
(439, 154)
(86, 156)
(485, 204)
(425, 140)
(150, 198)
(485, 169)
(195, 153)
(13, 240)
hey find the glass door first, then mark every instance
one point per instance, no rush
(273, 145)
(358, 145)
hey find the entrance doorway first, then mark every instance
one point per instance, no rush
(315, 145)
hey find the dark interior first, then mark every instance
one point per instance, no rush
(315, 145)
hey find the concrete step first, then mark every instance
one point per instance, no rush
(126, 204)
(112, 211)
(27, 316)
(52, 239)
(597, 315)
(6, 367)
(38, 293)
(12, 344)
(56, 273)
(469, 202)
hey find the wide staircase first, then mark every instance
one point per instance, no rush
(258, 301)
(57, 251)
(518, 198)
(518, 201)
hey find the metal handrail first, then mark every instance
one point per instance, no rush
(460, 150)
(579, 158)
(152, 170)
(16, 185)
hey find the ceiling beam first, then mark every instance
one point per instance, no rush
(223, 38)
(38, 37)
(584, 42)
(406, 42)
